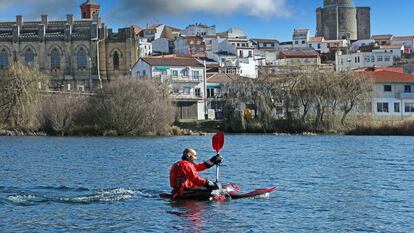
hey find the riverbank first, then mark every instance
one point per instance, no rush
(207, 127)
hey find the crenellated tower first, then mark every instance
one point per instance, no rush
(339, 19)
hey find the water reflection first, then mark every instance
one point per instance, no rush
(190, 211)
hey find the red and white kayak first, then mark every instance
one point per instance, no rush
(227, 192)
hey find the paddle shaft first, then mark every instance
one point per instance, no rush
(217, 172)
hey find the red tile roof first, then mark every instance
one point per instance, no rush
(172, 61)
(316, 39)
(402, 38)
(300, 31)
(388, 75)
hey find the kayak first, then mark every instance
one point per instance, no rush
(226, 192)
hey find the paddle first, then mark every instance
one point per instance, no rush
(218, 143)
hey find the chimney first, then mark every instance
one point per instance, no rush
(69, 19)
(44, 19)
(19, 20)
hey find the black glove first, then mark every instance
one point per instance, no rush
(215, 160)
(211, 185)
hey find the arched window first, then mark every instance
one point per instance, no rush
(29, 56)
(4, 59)
(55, 59)
(115, 60)
(82, 59)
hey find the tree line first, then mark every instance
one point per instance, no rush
(305, 100)
(125, 106)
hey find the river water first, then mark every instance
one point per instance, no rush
(326, 184)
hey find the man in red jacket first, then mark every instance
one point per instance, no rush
(184, 174)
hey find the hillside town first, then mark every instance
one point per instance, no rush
(197, 61)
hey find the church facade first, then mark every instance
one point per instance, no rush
(78, 54)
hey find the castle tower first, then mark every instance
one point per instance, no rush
(339, 19)
(88, 9)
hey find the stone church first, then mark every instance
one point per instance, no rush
(79, 54)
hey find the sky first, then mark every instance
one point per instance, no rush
(271, 19)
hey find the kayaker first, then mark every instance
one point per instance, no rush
(184, 174)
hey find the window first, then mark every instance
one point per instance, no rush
(319, 46)
(4, 59)
(210, 92)
(196, 74)
(409, 107)
(187, 90)
(310, 45)
(250, 54)
(367, 59)
(296, 42)
(396, 107)
(407, 88)
(29, 56)
(184, 73)
(240, 53)
(115, 60)
(82, 59)
(198, 92)
(55, 59)
(382, 107)
(387, 88)
(175, 73)
(379, 58)
(387, 58)
(372, 58)
(303, 42)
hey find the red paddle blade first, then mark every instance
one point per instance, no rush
(218, 141)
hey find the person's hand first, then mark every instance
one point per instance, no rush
(211, 185)
(215, 160)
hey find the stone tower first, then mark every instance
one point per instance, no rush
(88, 9)
(339, 19)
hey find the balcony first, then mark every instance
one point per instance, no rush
(183, 79)
(405, 95)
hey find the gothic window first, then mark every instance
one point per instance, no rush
(115, 60)
(29, 56)
(82, 59)
(4, 59)
(55, 59)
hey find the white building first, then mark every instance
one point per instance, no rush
(235, 33)
(145, 48)
(300, 37)
(266, 49)
(244, 47)
(162, 46)
(394, 93)
(199, 29)
(186, 78)
(345, 62)
(318, 44)
(395, 50)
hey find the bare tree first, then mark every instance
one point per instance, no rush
(60, 112)
(134, 107)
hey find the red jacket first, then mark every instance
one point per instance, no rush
(184, 175)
